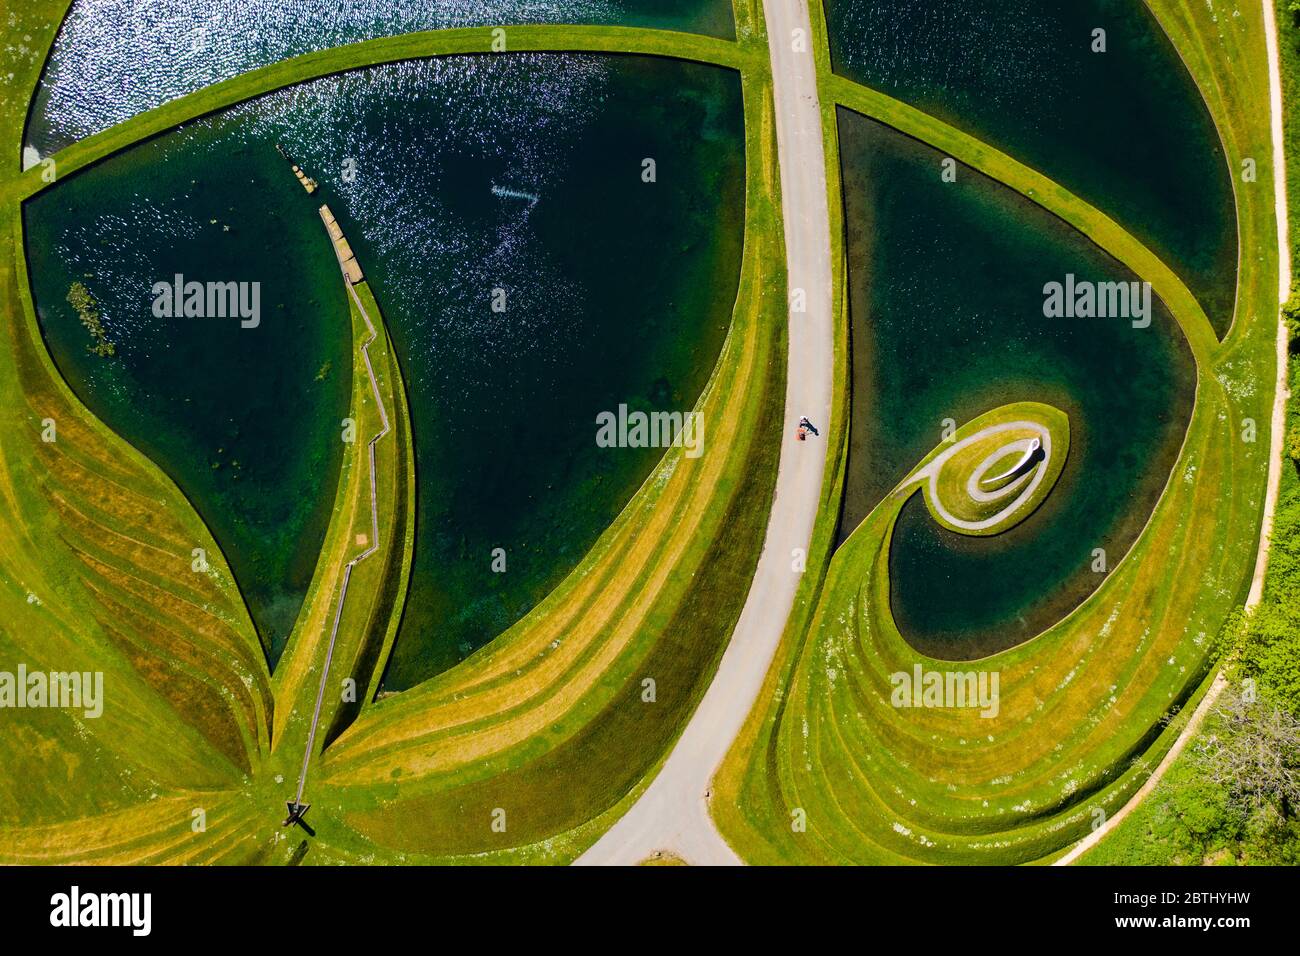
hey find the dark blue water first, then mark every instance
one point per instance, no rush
(946, 298)
(116, 58)
(1126, 129)
(616, 290)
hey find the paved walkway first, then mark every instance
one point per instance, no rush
(374, 524)
(672, 815)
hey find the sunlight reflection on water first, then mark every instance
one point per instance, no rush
(117, 58)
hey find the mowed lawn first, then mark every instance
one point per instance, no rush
(827, 770)
(96, 562)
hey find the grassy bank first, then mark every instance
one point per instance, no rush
(829, 771)
(553, 714)
(1187, 819)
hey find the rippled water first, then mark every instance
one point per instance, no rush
(946, 306)
(616, 291)
(114, 59)
(244, 419)
(1126, 129)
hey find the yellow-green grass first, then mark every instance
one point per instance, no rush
(172, 631)
(989, 438)
(548, 720)
(1088, 707)
(657, 596)
(1289, 56)
(1144, 836)
(377, 586)
(158, 831)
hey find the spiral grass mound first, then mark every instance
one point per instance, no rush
(996, 470)
(863, 749)
(876, 753)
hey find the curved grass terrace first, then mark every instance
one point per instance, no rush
(548, 726)
(385, 50)
(1086, 708)
(686, 543)
(997, 165)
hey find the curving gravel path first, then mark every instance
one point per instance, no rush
(673, 814)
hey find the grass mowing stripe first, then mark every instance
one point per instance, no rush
(1107, 749)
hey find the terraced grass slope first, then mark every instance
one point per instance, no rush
(97, 570)
(1187, 819)
(244, 419)
(832, 767)
(557, 715)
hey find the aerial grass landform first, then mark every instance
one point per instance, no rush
(536, 744)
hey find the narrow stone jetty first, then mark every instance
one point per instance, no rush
(307, 182)
(347, 259)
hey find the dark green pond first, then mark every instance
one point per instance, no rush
(617, 291)
(1126, 129)
(946, 299)
(116, 58)
(244, 419)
